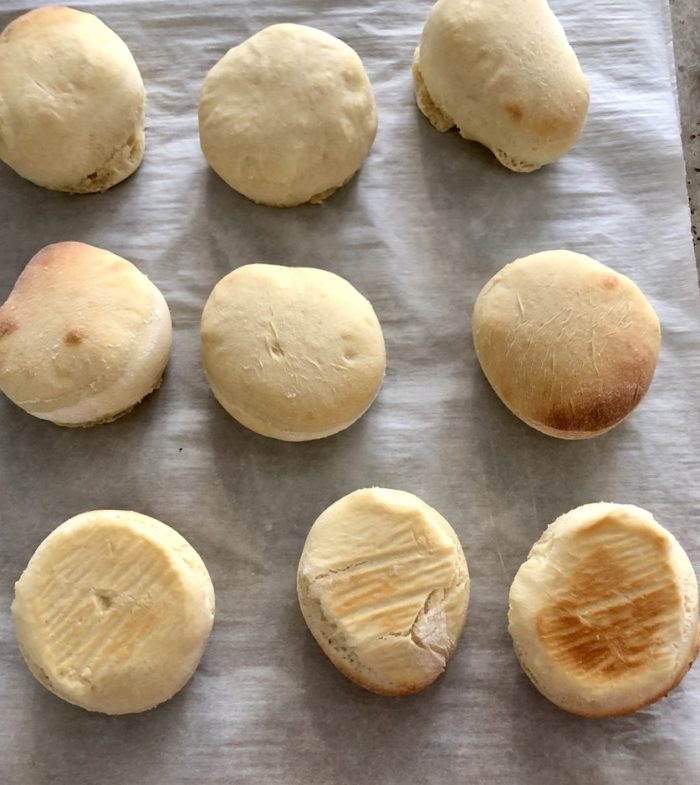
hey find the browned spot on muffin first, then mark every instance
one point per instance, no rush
(74, 336)
(560, 121)
(59, 253)
(38, 16)
(7, 325)
(593, 414)
(620, 600)
(595, 409)
(515, 111)
(56, 255)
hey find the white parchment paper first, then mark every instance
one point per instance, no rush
(428, 220)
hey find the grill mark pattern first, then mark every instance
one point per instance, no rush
(99, 641)
(126, 637)
(613, 616)
(61, 586)
(384, 554)
(377, 591)
(73, 563)
(130, 572)
(61, 622)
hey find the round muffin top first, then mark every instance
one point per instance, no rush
(288, 116)
(294, 353)
(603, 613)
(113, 611)
(505, 75)
(84, 335)
(568, 344)
(384, 587)
(72, 101)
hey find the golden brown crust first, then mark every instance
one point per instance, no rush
(569, 345)
(84, 336)
(506, 77)
(8, 324)
(39, 16)
(603, 625)
(604, 612)
(66, 254)
(632, 707)
(383, 586)
(75, 335)
(638, 706)
(515, 111)
(598, 412)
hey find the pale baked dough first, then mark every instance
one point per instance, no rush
(71, 114)
(569, 345)
(84, 336)
(113, 611)
(503, 73)
(604, 612)
(288, 116)
(383, 586)
(293, 353)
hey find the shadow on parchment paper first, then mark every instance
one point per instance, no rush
(478, 203)
(37, 217)
(262, 533)
(553, 746)
(310, 475)
(241, 232)
(63, 457)
(349, 730)
(529, 479)
(106, 749)
(304, 692)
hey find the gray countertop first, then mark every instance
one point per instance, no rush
(685, 15)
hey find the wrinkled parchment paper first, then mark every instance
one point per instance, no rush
(428, 220)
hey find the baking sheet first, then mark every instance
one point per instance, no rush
(429, 219)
